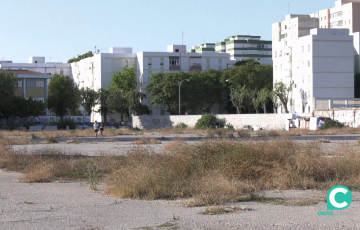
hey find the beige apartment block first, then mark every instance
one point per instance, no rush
(344, 15)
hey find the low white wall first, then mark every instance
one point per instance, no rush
(349, 117)
(265, 121)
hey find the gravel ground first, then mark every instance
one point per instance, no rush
(75, 206)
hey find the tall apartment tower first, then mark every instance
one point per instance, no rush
(345, 15)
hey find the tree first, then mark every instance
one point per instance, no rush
(246, 61)
(80, 57)
(282, 93)
(63, 95)
(103, 94)
(27, 107)
(250, 73)
(262, 97)
(238, 95)
(114, 101)
(89, 98)
(206, 89)
(8, 85)
(275, 101)
(125, 82)
(163, 89)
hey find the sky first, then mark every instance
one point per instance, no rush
(62, 29)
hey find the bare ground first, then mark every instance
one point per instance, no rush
(75, 206)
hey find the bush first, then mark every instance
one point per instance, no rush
(181, 125)
(207, 121)
(66, 122)
(328, 124)
(51, 140)
(230, 127)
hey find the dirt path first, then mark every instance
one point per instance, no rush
(75, 206)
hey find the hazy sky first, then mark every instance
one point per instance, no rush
(61, 29)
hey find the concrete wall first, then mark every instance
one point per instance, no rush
(350, 117)
(266, 121)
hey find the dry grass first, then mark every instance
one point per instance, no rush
(176, 131)
(220, 171)
(68, 134)
(175, 145)
(146, 141)
(322, 140)
(213, 172)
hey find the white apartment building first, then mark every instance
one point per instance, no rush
(345, 14)
(38, 64)
(240, 47)
(318, 63)
(96, 72)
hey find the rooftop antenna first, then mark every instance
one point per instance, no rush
(182, 40)
(95, 50)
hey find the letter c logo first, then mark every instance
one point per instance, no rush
(332, 198)
(342, 202)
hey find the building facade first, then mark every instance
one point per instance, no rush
(240, 47)
(317, 55)
(38, 64)
(31, 84)
(345, 15)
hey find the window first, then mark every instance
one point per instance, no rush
(275, 53)
(61, 72)
(162, 112)
(308, 48)
(35, 61)
(20, 83)
(39, 84)
(174, 61)
(309, 78)
(308, 63)
(30, 83)
(280, 53)
(176, 50)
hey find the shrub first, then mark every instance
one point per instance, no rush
(331, 124)
(207, 121)
(66, 122)
(51, 140)
(230, 127)
(181, 125)
(243, 133)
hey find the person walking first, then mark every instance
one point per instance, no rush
(101, 128)
(96, 128)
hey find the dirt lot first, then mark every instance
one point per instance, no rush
(74, 206)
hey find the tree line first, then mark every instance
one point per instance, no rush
(246, 88)
(12, 105)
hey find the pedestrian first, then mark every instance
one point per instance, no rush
(96, 128)
(101, 128)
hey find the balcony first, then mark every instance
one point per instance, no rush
(174, 67)
(195, 67)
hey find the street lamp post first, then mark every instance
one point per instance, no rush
(179, 94)
(83, 100)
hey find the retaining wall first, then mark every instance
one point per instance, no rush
(265, 121)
